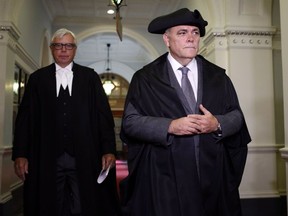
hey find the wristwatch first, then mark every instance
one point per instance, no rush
(219, 130)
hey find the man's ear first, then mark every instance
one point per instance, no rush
(166, 39)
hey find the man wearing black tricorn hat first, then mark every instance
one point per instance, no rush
(186, 134)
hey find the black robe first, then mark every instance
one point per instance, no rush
(93, 135)
(164, 180)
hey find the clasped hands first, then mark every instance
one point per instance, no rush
(194, 124)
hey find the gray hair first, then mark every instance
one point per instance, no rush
(61, 32)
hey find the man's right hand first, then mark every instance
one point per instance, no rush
(21, 167)
(184, 126)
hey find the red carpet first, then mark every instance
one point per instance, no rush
(121, 171)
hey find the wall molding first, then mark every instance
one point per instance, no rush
(262, 194)
(265, 148)
(5, 150)
(284, 153)
(238, 37)
(25, 60)
(11, 29)
(6, 197)
(10, 35)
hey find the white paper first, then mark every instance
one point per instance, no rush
(103, 174)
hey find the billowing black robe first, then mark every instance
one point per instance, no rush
(93, 136)
(164, 179)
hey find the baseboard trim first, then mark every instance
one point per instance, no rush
(14, 206)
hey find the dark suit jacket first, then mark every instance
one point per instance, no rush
(93, 136)
(163, 177)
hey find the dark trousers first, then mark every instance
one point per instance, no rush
(68, 197)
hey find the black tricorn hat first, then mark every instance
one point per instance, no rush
(180, 17)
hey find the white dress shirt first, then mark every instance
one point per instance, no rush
(192, 74)
(64, 77)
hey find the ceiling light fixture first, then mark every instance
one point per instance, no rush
(117, 4)
(107, 77)
(110, 11)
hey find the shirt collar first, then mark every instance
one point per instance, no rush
(68, 67)
(176, 65)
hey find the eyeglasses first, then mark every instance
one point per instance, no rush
(59, 46)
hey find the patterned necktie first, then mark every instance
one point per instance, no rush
(187, 88)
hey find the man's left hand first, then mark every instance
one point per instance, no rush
(207, 122)
(108, 160)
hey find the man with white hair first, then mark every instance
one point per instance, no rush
(64, 137)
